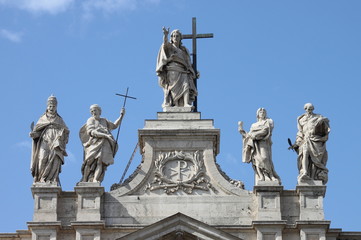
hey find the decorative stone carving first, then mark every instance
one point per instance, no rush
(50, 136)
(126, 181)
(236, 183)
(183, 171)
(99, 145)
(257, 147)
(310, 145)
(175, 72)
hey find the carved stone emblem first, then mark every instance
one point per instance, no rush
(179, 170)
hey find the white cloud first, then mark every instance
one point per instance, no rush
(39, 6)
(88, 7)
(107, 6)
(24, 145)
(71, 158)
(231, 159)
(12, 36)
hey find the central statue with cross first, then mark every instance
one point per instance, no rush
(177, 75)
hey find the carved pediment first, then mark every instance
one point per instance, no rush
(179, 227)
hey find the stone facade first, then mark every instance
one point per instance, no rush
(179, 192)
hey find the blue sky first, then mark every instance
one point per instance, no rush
(276, 54)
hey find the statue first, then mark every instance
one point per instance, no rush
(50, 136)
(99, 145)
(257, 147)
(175, 72)
(310, 145)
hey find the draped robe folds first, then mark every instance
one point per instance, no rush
(49, 148)
(257, 149)
(311, 138)
(175, 73)
(97, 150)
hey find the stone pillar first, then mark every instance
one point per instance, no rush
(44, 231)
(268, 202)
(88, 222)
(313, 230)
(311, 201)
(88, 230)
(89, 199)
(45, 224)
(312, 225)
(269, 230)
(45, 202)
(268, 224)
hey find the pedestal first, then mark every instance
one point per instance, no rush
(313, 230)
(89, 197)
(269, 229)
(181, 146)
(45, 202)
(311, 201)
(88, 230)
(268, 202)
(44, 231)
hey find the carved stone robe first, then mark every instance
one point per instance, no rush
(176, 74)
(49, 148)
(311, 138)
(257, 148)
(97, 150)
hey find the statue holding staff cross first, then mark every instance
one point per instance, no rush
(99, 144)
(176, 73)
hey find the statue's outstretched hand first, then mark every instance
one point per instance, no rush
(34, 134)
(165, 31)
(122, 112)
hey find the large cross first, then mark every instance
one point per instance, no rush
(194, 37)
(125, 101)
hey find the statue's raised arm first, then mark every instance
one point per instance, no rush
(175, 73)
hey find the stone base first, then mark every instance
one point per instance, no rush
(44, 230)
(45, 184)
(268, 183)
(179, 115)
(88, 184)
(89, 197)
(309, 182)
(45, 202)
(311, 201)
(269, 202)
(178, 109)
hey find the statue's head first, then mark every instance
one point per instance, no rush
(176, 36)
(52, 104)
(95, 110)
(309, 107)
(261, 113)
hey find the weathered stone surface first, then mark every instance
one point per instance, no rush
(257, 148)
(50, 136)
(179, 192)
(99, 145)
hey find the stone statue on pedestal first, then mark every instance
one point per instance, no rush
(50, 136)
(99, 145)
(175, 72)
(310, 145)
(257, 147)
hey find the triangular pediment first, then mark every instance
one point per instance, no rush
(179, 227)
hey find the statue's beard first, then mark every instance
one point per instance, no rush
(50, 114)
